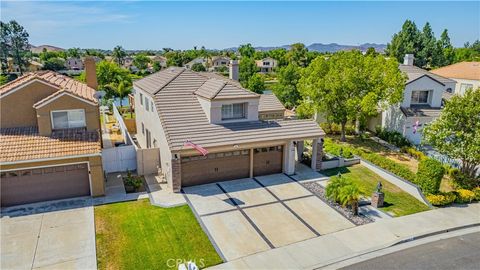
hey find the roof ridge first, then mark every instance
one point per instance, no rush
(169, 81)
(224, 83)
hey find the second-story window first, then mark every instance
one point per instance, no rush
(419, 97)
(147, 108)
(233, 111)
(68, 119)
(141, 99)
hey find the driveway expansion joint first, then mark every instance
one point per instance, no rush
(282, 202)
(263, 236)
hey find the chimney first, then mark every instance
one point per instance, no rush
(90, 72)
(233, 70)
(408, 59)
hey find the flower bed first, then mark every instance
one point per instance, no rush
(317, 189)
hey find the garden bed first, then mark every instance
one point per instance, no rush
(129, 186)
(346, 212)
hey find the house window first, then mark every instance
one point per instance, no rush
(151, 105)
(146, 104)
(143, 129)
(68, 119)
(233, 111)
(464, 87)
(419, 97)
(266, 63)
(141, 99)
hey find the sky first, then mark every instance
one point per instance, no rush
(218, 25)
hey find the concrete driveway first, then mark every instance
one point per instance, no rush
(247, 216)
(58, 236)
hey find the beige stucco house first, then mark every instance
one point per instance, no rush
(176, 106)
(465, 74)
(49, 138)
(266, 65)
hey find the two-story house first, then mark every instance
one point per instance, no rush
(198, 60)
(219, 62)
(266, 65)
(184, 113)
(74, 63)
(421, 104)
(50, 145)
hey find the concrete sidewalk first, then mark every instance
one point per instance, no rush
(324, 250)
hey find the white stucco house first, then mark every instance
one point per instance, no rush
(198, 60)
(465, 74)
(182, 113)
(266, 65)
(422, 102)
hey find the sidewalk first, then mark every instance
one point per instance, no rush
(324, 250)
(159, 194)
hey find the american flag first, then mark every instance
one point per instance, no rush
(200, 149)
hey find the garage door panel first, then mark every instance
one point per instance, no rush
(42, 184)
(267, 160)
(210, 169)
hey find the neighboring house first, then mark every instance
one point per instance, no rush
(199, 60)
(32, 66)
(160, 59)
(49, 138)
(176, 106)
(74, 63)
(266, 65)
(422, 102)
(219, 62)
(270, 107)
(465, 74)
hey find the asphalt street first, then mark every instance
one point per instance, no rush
(461, 252)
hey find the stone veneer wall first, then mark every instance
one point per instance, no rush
(319, 154)
(176, 175)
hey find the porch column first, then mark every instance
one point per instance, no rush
(251, 163)
(176, 182)
(289, 158)
(317, 154)
(300, 148)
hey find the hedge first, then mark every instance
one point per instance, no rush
(393, 137)
(442, 199)
(336, 149)
(464, 196)
(429, 175)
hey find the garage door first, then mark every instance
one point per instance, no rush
(267, 160)
(42, 184)
(215, 167)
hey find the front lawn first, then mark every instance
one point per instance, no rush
(137, 235)
(397, 201)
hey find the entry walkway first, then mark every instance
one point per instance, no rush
(328, 249)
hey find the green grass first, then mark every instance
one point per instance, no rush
(137, 235)
(397, 201)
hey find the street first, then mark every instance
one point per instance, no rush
(461, 252)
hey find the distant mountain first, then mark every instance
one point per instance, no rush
(49, 48)
(320, 47)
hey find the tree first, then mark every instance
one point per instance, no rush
(110, 72)
(371, 51)
(279, 55)
(297, 54)
(247, 68)
(74, 52)
(157, 66)
(119, 90)
(198, 67)
(349, 195)
(174, 58)
(141, 61)
(256, 83)
(349, 86)
(5, 43)
(54, 63)
(456, 133)
(286, 88)
(407, 41)
(119, 55)
(429, 52)
(246, 50)
(447, 51)
(19, 46)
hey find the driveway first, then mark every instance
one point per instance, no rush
(247, 216)
(59, 235)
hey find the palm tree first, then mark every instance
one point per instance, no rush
(349, 195)
(334, 186)
(119, 55)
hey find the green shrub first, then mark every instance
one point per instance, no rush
(429, 175)
(463, 181)
(393, 137)
(336, 129)
(464, 196)
(343, 191)
(411, 151)
(336, 149)
(335, 185)
(442, 199)
(477, 193)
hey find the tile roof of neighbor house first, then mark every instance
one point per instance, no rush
(462, 70)
(414, 73)
(269, 102)
(63, 82)
(24, 143)
(183, 118)
(421, 111)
